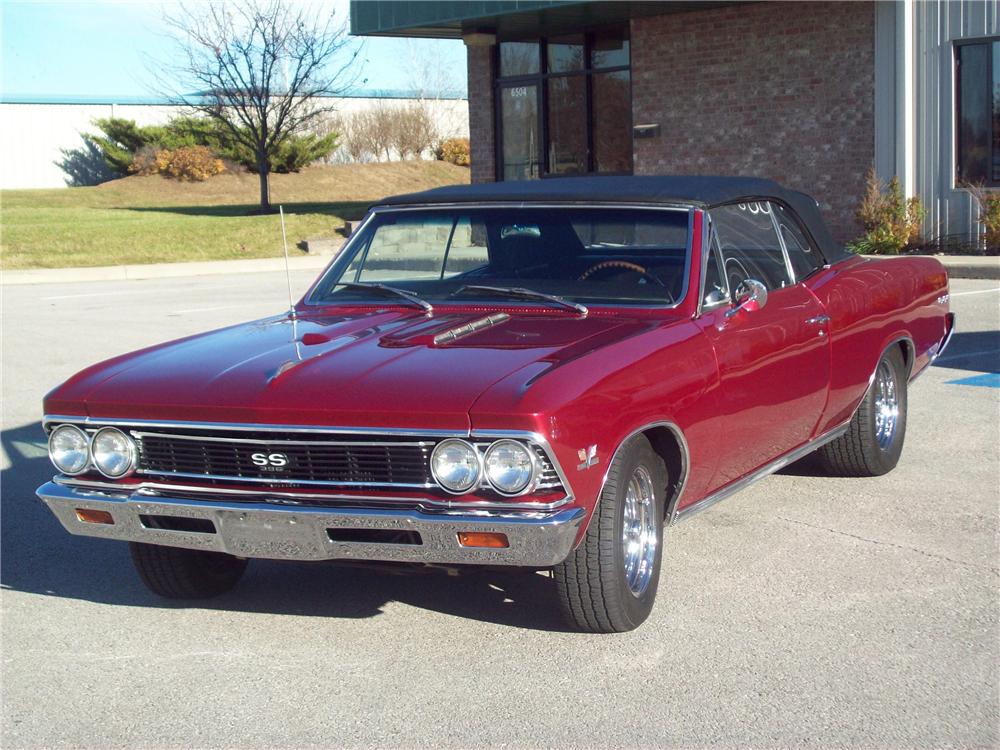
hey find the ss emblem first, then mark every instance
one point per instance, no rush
(269, 459)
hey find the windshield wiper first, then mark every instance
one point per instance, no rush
(391, 291)
(522, 293)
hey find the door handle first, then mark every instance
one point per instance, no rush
(818, 320)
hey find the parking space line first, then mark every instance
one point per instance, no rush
(975, 291)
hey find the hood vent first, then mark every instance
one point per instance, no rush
(446, 337)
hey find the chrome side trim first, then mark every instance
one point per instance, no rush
(467, 205)
(938, 349)
(913, 357)
(741, 484)
(950, 322)
(469, 328)
(294, 533)
(301, 497)
(277, 479)
(685, 465)
(215, 439)
(247, 426)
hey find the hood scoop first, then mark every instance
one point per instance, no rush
(466, 329)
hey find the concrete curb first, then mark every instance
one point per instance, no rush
(160, 270)
(963, 266)
(959, 267)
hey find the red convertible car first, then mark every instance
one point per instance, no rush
(541, 375)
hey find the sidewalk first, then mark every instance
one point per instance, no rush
(959, 267)
(161, 270)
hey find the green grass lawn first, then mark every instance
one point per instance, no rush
(159, 220)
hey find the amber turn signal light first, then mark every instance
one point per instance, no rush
(483, 539)
(94, 516)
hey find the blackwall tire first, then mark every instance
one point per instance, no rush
(176, 573)
(874, 439)
(608, 584)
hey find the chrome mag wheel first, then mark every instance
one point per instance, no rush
(639, 530)
(886, 405)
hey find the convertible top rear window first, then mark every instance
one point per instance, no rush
(592, 255)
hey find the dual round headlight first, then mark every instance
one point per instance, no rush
(69, 449)
(110, 451)
(508, 466)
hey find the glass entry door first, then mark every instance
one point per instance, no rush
(519, 128)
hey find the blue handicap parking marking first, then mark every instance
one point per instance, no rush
(986, 380)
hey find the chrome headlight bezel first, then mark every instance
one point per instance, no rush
(131, 453)
(86, 449)
(456, 488)
(522, 487)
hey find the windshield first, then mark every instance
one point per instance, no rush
(580, 255)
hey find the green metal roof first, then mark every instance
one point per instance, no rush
(439, 18)
(511, 18)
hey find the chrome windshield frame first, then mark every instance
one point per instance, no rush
(349, 249)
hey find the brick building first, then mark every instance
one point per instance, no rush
(811, 93)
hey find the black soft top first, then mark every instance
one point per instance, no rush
(701, 191)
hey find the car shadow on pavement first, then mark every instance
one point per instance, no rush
(974, 350)
(38, 556)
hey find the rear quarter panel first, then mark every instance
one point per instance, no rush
(871, 304)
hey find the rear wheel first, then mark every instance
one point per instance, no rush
(874, 439)
(177, 573)
(608, 584)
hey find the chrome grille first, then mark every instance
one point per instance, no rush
(310, 459)
(299, 461)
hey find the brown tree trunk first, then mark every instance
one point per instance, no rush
(263, 172)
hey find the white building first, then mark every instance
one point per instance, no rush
(37, 132)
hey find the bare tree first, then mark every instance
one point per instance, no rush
(432, 73)
(373, 128)
(262, 68)
(413, 130)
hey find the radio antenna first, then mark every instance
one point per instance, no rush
(288, 272)
(291, 300)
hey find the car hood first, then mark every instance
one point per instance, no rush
(381, 368)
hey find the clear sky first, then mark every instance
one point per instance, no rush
(102, 47)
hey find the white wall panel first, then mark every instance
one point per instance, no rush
(950, 211)
(34, 135)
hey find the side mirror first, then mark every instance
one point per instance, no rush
(751, 296)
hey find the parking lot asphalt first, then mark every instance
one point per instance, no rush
(803, 612)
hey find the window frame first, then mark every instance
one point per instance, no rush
(806, 235)
(711, 253)
(540, 80)
(988, 41)
(792, 281)
(347, 254)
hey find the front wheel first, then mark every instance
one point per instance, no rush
(608, 584)
(176, 573)
(874, 439)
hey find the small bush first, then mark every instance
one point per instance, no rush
(454, 150)
(990, 219)
(194, 163)
(989, 215)
(187, 163)
(891, 223)
(150, 160)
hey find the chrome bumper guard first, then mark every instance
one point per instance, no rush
(305, 532)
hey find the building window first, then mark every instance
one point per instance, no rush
(564, 106)
(977, 82)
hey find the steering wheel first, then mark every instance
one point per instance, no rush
(620, 264)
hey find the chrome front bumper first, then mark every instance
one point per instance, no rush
(304, 532)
